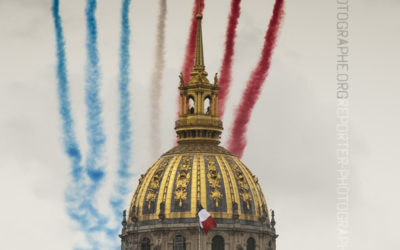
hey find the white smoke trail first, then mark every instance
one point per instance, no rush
(156, 79)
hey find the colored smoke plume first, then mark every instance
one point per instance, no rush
(191, 45)
(237, 140)
(226, 67)
(79, 206)
(69, 138)
(124, 138)
(95, 165)
(96, 138)
(156, 79)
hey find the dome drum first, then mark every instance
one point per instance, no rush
(235, 236)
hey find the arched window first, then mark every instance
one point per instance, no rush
(207, 106)
(218, 243)
(179, 243)
(145, 245)
(251, 244)
(191, 105)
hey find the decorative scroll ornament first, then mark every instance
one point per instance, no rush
(182, 181)
(155, 182)
(214, 180)
(243, 186)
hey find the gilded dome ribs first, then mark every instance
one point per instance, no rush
(194, 186)
(253, 182)
(161, 201)
(227, 185)
(170, 187)
(236, 210)
(203, 180)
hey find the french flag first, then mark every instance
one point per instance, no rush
(206, 221)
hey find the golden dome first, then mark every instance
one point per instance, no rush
(193, 174)
(198, 171)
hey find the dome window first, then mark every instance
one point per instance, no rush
(207, 105)
(218, 243)
(145, 245)
(251, 244)
(179, 242)
(191, 105)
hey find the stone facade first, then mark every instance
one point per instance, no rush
(235, 236)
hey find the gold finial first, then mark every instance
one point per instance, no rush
(199, 57)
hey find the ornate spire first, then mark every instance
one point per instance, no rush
(199, 56)
(198, 117)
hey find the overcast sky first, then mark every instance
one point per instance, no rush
(291, 137)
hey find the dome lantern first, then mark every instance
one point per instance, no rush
(198, 103)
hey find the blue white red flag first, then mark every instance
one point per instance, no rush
(206, 221)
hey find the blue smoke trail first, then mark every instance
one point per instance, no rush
(79, 207)
(95, 165)
(96, 137)
(123, 174)
(70, 143)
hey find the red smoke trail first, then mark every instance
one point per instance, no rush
(187, 66)
(226, 67)
(237, 140)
